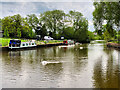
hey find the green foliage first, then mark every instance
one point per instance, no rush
(107, 36)
(33, 21)
(15, 27)
(68, 33)
(109, 33)
(53, 20)
(53, 23)
(18, 33)
(118, 36)
(97, 37)
(91, 35)
(80, 25)
(0, 24)
(30, 33)
(6, 34)
(43, 31)
(109, 12)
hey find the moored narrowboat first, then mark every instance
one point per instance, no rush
(16, 44)
(68, 42)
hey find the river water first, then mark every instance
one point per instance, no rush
(77, 66)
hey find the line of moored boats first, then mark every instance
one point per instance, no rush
(16, 43)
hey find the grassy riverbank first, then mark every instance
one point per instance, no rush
(5, 41)
(41, 42)
(114, 43)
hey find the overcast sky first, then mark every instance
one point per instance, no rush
(25, 7)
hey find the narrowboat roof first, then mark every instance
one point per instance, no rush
(28, 42)
(16, 39)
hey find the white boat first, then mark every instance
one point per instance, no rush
(16, 44)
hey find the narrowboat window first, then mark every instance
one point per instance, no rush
(13, 45)
(23, 44)
(26, 44)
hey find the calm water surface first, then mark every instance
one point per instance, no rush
(81, 66)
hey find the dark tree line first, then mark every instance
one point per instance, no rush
(54, 23)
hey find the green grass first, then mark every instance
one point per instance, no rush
(48, 42)
(4, 41)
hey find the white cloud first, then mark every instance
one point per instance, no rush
(46, 0)
(86, 8)
(23, 8)
(90, 22)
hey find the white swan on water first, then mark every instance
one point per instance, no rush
(81, 47)
(47, 62)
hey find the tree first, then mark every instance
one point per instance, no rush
(91, 35)
(18, 33)
(43, 31)
(6, 34)
(25, 30)
(7, 23)
(33, 21)
(53, 20)
(17, 26)
(0, 24)
(109, 33)
(12, 23)
(80, 26)
(68, 33)
(109, 12)
(98, 16)
(53, 23)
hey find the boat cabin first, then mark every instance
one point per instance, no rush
(19, 44)
(68, 42)
(15, 43)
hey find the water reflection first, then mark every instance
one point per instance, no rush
(76, 66)
(106, 71)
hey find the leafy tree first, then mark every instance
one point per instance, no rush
(68, 33)
(33, 21)
(7, 23)
(109, 12)
(91, 35)
(17, 25)
(54, 23)
(43, 31)
(0, 24)
(53, 20)
(18, 32)
(98, 17)
(25, 30)
(12, 23)
(80, 26)
(75, 17)
(30, 33)
(6, 34)
(109, 33)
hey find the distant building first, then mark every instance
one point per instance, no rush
(1, 34)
